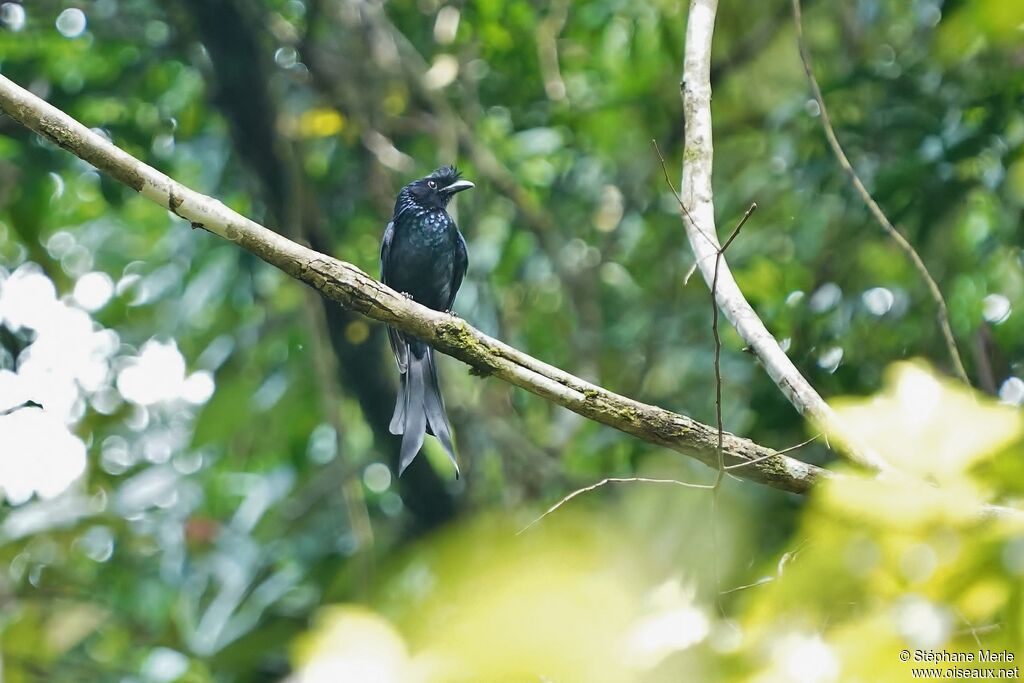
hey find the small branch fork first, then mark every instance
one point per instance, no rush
(941, 311)
(719, 254)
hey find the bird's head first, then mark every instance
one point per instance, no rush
(437, 189)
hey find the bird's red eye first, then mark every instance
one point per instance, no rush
(431, 184)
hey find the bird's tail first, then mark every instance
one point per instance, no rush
(419, 409)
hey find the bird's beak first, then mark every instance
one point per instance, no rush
(457, 186)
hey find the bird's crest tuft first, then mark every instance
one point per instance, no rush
(449, 174)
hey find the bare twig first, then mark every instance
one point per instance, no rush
(698, 198)
(784, 450)
(760, 582)
(613, 480)
(682, 207)
(786, 558)
(941, 311)
(718, 339)
(720, 474)
(976, 631)
(354, 289)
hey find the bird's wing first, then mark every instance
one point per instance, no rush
(385, 250)
(459, 271)
(398, 345)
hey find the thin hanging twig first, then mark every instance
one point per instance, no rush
(941, 311)
(718, 339)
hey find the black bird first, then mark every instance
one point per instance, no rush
(423, 255)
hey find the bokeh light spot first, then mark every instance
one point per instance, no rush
(93, 290)
(71, 22)
(12, 15)
(377, 477)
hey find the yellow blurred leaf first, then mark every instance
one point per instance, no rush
(394, 102)
(984, 599)
(554, 602)
(901, 504)
(320, 123)
(68, 626)
(978, 24)
(561, 603)
(930, 427)
(350, 645)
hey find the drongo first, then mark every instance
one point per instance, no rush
(424, 257)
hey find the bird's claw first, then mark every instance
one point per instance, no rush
(407, 295)
(452, 313)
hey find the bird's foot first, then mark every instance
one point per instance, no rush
(452, 313)
(407, 295)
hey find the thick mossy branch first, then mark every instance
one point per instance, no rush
(357, 291)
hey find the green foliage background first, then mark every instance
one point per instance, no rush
(203, 537)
